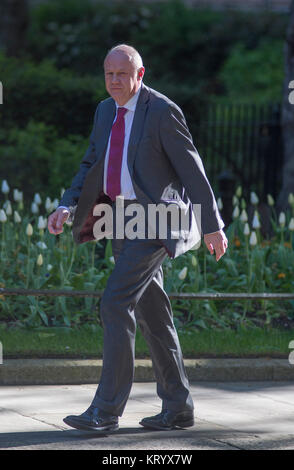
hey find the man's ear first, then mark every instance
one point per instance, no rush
(141, 72)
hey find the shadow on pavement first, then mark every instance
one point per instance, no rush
(21, 439)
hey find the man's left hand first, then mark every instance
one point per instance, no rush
(216, 241)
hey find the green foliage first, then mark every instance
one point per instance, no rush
(37, 160)
(254, 75)
(77, 34)
(63, 264)
(54, 97)
(267, 266)
(179, 43)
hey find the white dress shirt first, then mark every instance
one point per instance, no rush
(127, 190)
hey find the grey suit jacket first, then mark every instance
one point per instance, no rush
(164, 165)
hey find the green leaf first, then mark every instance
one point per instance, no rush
(231, 266)
(108, 249)
(200, 323)
(43, 317)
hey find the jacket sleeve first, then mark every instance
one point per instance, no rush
(178, 145)
(71, 195)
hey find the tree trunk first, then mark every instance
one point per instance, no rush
(13, 25)
(288, 118)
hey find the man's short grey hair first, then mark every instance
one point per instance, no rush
(130, 51)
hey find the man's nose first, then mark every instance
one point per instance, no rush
(114, 78)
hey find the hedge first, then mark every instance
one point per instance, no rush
(43, 93)
(178, 42)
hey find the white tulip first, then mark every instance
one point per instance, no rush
(62, 192)
(254, 198)
(194, 260)
(255, 221)
(41, 223)
(183, 273)
(291, 199)
(3, 217)
(29, 230)
(236, 212)
(253, 239)
(48, 204)
(239, 191)
(5, 188)
(270, 200)
(49, 267)
(282, 219)
(34, 208)
(17, 195)
(40, 260)
(7, 207)
(243, 216)
(246, 229)
(17, 217)
(37, 199)
(220, 204)
(235, 201)
(41, 245)
(55, 203)
(111, 259)
(291, 224)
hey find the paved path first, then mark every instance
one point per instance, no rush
(229, 416)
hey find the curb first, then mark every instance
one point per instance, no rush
(72, 371)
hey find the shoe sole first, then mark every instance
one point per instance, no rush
(84, 427)
(180, 424)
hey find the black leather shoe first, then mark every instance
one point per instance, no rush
(93, 419)
(167, 420)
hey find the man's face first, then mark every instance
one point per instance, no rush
(122, 79)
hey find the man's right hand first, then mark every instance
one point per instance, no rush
(56, 220)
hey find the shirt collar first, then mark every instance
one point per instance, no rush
(131, 104)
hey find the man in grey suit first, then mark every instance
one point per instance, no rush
(141, 152)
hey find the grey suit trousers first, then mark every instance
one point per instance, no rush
(134, 294)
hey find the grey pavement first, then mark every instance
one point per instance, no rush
(228, 416)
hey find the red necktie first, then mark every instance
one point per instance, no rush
(115, 155)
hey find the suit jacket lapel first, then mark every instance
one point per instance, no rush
(104, 124)
(138, 125)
